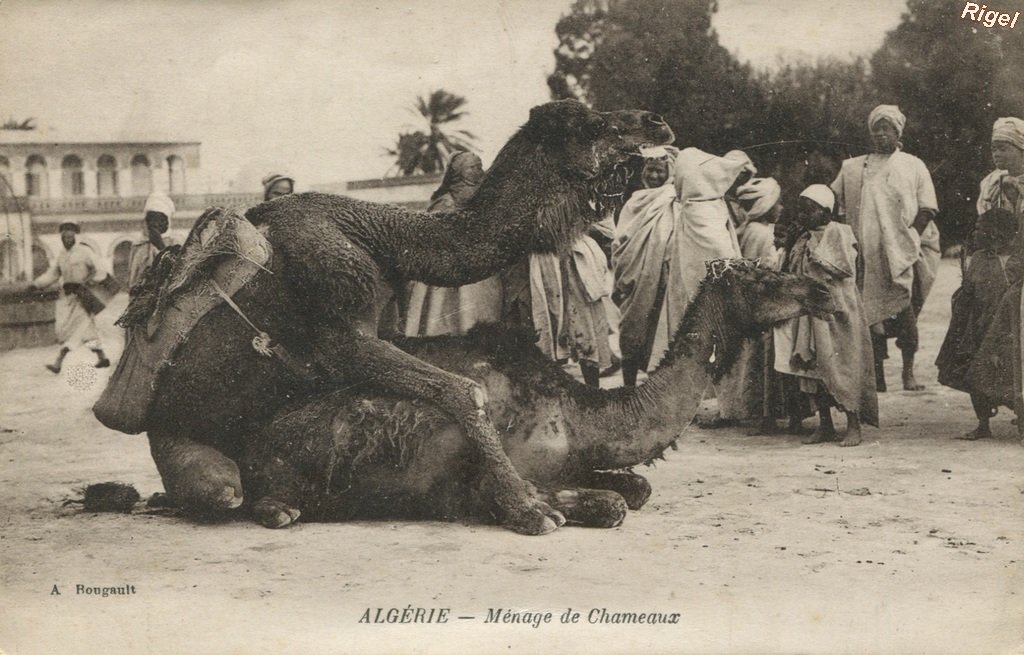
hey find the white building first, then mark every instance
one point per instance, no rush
(101, 185)
(47, 179)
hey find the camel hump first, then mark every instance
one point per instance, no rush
(222, 253)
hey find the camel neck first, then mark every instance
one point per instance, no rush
(526, 203)
(636, 425)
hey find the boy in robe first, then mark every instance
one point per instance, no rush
(831, 360)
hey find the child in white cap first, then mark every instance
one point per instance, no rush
(829, 360)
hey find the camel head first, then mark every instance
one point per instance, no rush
(565, 167)
(755, 298)
(738, 299)
(589, 143)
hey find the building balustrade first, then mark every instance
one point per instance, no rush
(134, 204)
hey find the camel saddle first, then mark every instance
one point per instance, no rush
(222, 253)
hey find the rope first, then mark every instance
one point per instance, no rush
(261, 342)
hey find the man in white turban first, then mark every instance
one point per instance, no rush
(888, 198)
(1002, 187)
(158, 212)
(1000, 200)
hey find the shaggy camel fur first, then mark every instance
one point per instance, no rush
(364, 454)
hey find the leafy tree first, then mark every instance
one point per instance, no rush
(408, 152)
(812, 118)
(428, 150)
(660, 55)
(579, 33)
(952, 78)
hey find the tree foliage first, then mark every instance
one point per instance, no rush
(658, 54)
(951, 77)
(428, 149)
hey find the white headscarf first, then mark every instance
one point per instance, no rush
(159, 202)
(764, 192)
(820, 194)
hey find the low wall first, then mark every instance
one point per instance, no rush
(26, 317)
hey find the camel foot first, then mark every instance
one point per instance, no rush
(819, 436)
(198, 477)
(523, 512)
(274, 514)
(590, 508)
(980, 432)
(635, 489)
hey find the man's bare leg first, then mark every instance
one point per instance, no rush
(826, 429)
(853, 436)
(983, 411)
(910, 383)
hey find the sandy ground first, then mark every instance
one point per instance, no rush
(910, 543)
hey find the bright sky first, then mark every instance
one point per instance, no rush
(319, 88)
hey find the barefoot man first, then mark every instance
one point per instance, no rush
(887, 197)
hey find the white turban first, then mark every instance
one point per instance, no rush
(1010, 130)
(159, 202)
(820, 194)
(890, 113)
(763, 192)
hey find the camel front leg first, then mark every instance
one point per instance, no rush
(354, 356)
(196, 476)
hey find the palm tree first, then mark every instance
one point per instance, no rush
(408, 152)
(12, 124)
(428, 150)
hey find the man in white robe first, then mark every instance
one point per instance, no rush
(888, 198)
(75, 267)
